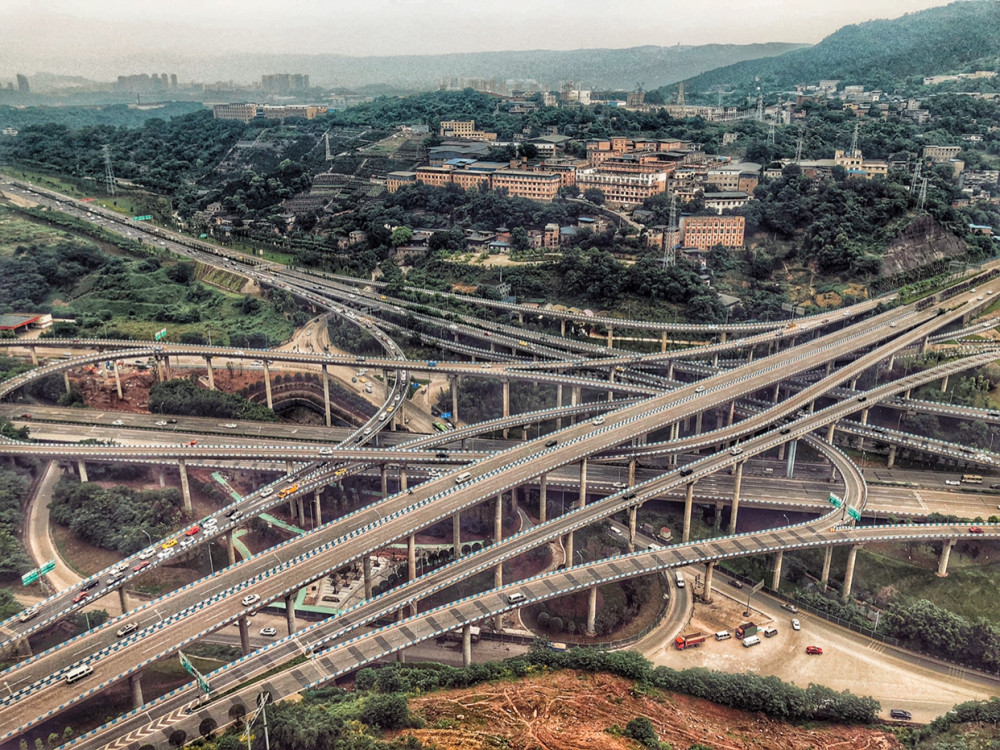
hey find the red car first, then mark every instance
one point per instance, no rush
(140, 566)
(192, 443)
(193, 530)
(80, 597)
(814, 650)
(975, 529)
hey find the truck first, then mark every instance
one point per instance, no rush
(693, 640)
(746, 629)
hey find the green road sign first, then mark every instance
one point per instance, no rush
(160, 335)
(147, 217)
(30, 577)
(855, 514)
(835, 501)
(47, 567)
(186, 663)
(189, 668)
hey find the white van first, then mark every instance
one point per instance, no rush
(723, 635)
(679, 579)
(78, 673)
(515, 598)
(463, 477)
(750, 640)
(769, 631)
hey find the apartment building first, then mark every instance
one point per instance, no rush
(522, 183)
(242, 112)
(622, 188)
(941, 154)
(519, 183)
(464, 129)
(704, 232)
(395, 180)
(722, 200)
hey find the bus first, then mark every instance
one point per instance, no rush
(78, 673)
(972, 479)
(440, 427)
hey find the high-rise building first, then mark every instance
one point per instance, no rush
(22, 84)
(173, 80)
(283, 83)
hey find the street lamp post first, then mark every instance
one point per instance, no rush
(147, 536)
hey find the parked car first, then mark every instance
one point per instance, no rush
(268, 631)
(814, 650)
(796, 625)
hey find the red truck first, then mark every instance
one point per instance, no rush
(689, 641)
(747, 628)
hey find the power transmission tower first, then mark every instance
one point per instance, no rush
(670, 242)
(326, 141)
(854, 140)
(916, 178)
(109, 173)
(923, 193)
(770, 134)
(680, 94)
(759, 115)
(799, 142)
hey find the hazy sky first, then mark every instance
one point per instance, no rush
(52, 34)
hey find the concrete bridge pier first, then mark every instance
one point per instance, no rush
(611, 337)
(562, 327)
(506, 404)
(790, 465)
(543, 499)
(829, 432)
(123, 599)
(300, 504)
(688, 504)
(777, 393)
(732, 413)
(185, 487)
(738, 482)
(663, 342)
(326, 397)
(267, 384)
(208, 371)
(34, 355)
(118, 378)
(559, 403)
(942, 571)
(852, 556)
(135, 686)
(824, 578)
(290, 613)
(366, 567)
(317, 509)
(467, 643)
(944, 384)
(670, 369)
(706, 594)
(411, 566)
(697, 423)
(574, 399)
(384, 474)
(592, 611)
(230, 548)
(456, 533)
(891, 460)
(244, 635)
(453, 385)
(779, 557)
(161, 374)
(81, 468)
(66, 382)
(631, 527)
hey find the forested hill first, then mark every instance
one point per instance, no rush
(880, 54)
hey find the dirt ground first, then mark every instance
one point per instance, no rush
(98, 385)
(570, 710)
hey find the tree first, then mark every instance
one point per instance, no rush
(386, 712)
(642, 730)
(594, 195)
(400, 236)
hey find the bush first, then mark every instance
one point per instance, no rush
(386, 712)
(642, 730)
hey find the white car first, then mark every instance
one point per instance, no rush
(326, 450)
(231, 425)
(161, 423)
(250, 599)
(118, 422)
(269, 631)
(796, 625)
(147, 553)
(699, 389)
(599, 420)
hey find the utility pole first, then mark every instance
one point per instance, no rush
(109, 174)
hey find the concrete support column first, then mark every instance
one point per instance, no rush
(411, 566)
(697, 423)
(675, 430)
(118, 377)
(864, 416)
(631, 472)
(944, 384)
(852, 556)
(738, 480)
(777, 392)
(456, 533)
(891, 461)
(663, 341)
(300, 504)
(715, 360)
(453, 382)
(824, 577)
(34, 355)
(81, 468)
(732, 413)
(292, 510)
(135, 685)
(829, 367)
(123, 599)
(592, 611)
(790, 465)
(326, 397)
(854, 384)
(161, 475)
(185, 487)
(506, 403)
(244, 635)
(706, 594)
(384, 474)
(717, 518)
(906, 393)
(559, 403)
(366, 568)
(402, 479)
(925, 344)
(722, 337)
(467, 633)
(267, 384)
(543, 498)
(290, 613)
(688, 505)
(942, 570)
(497, 537)
(779, 557)
(670, 370)
(781, 451)
(611, 337)
(209, 372)
(829, 432)
(582, 500)
(66, 383)
(230, 548)
(562, 327)
(317, 510)
(631, 527)
(161, 374)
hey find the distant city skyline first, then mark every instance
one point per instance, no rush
(91, 37)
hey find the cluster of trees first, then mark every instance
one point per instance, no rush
(116, 518)
(30, 274)
(481, 399)
(13, 490)
(182, 396)
(923, 626)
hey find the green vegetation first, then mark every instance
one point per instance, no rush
(13, 492)
(9, 606)
(182, 396)
(116, 518)
(969, 725)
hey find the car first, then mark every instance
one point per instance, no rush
(599, 420)
(326, 450)
(80, 597)
(796, 625)
(790, 607)
(340, 472)
(129, 627)
(735, 584)
(735, 451)
(187, 543)
(234, 514)
(140, 566)
(25, 416)
(815, 650)
(686, 472)
(979, 297)
(892, 325)
(550, 443)
(785, 430)
(169, 543)
(699, 389)
(952, 483)
(995, 486)
(250, 600)
(268, 631)
(231, 425)
(898, 713)
(210, 523)
(92, 584)
(190, 443)
(161, 423)
(147, 553)
(193, 530)
(171, 421)
(862, 399)
(975, 529)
